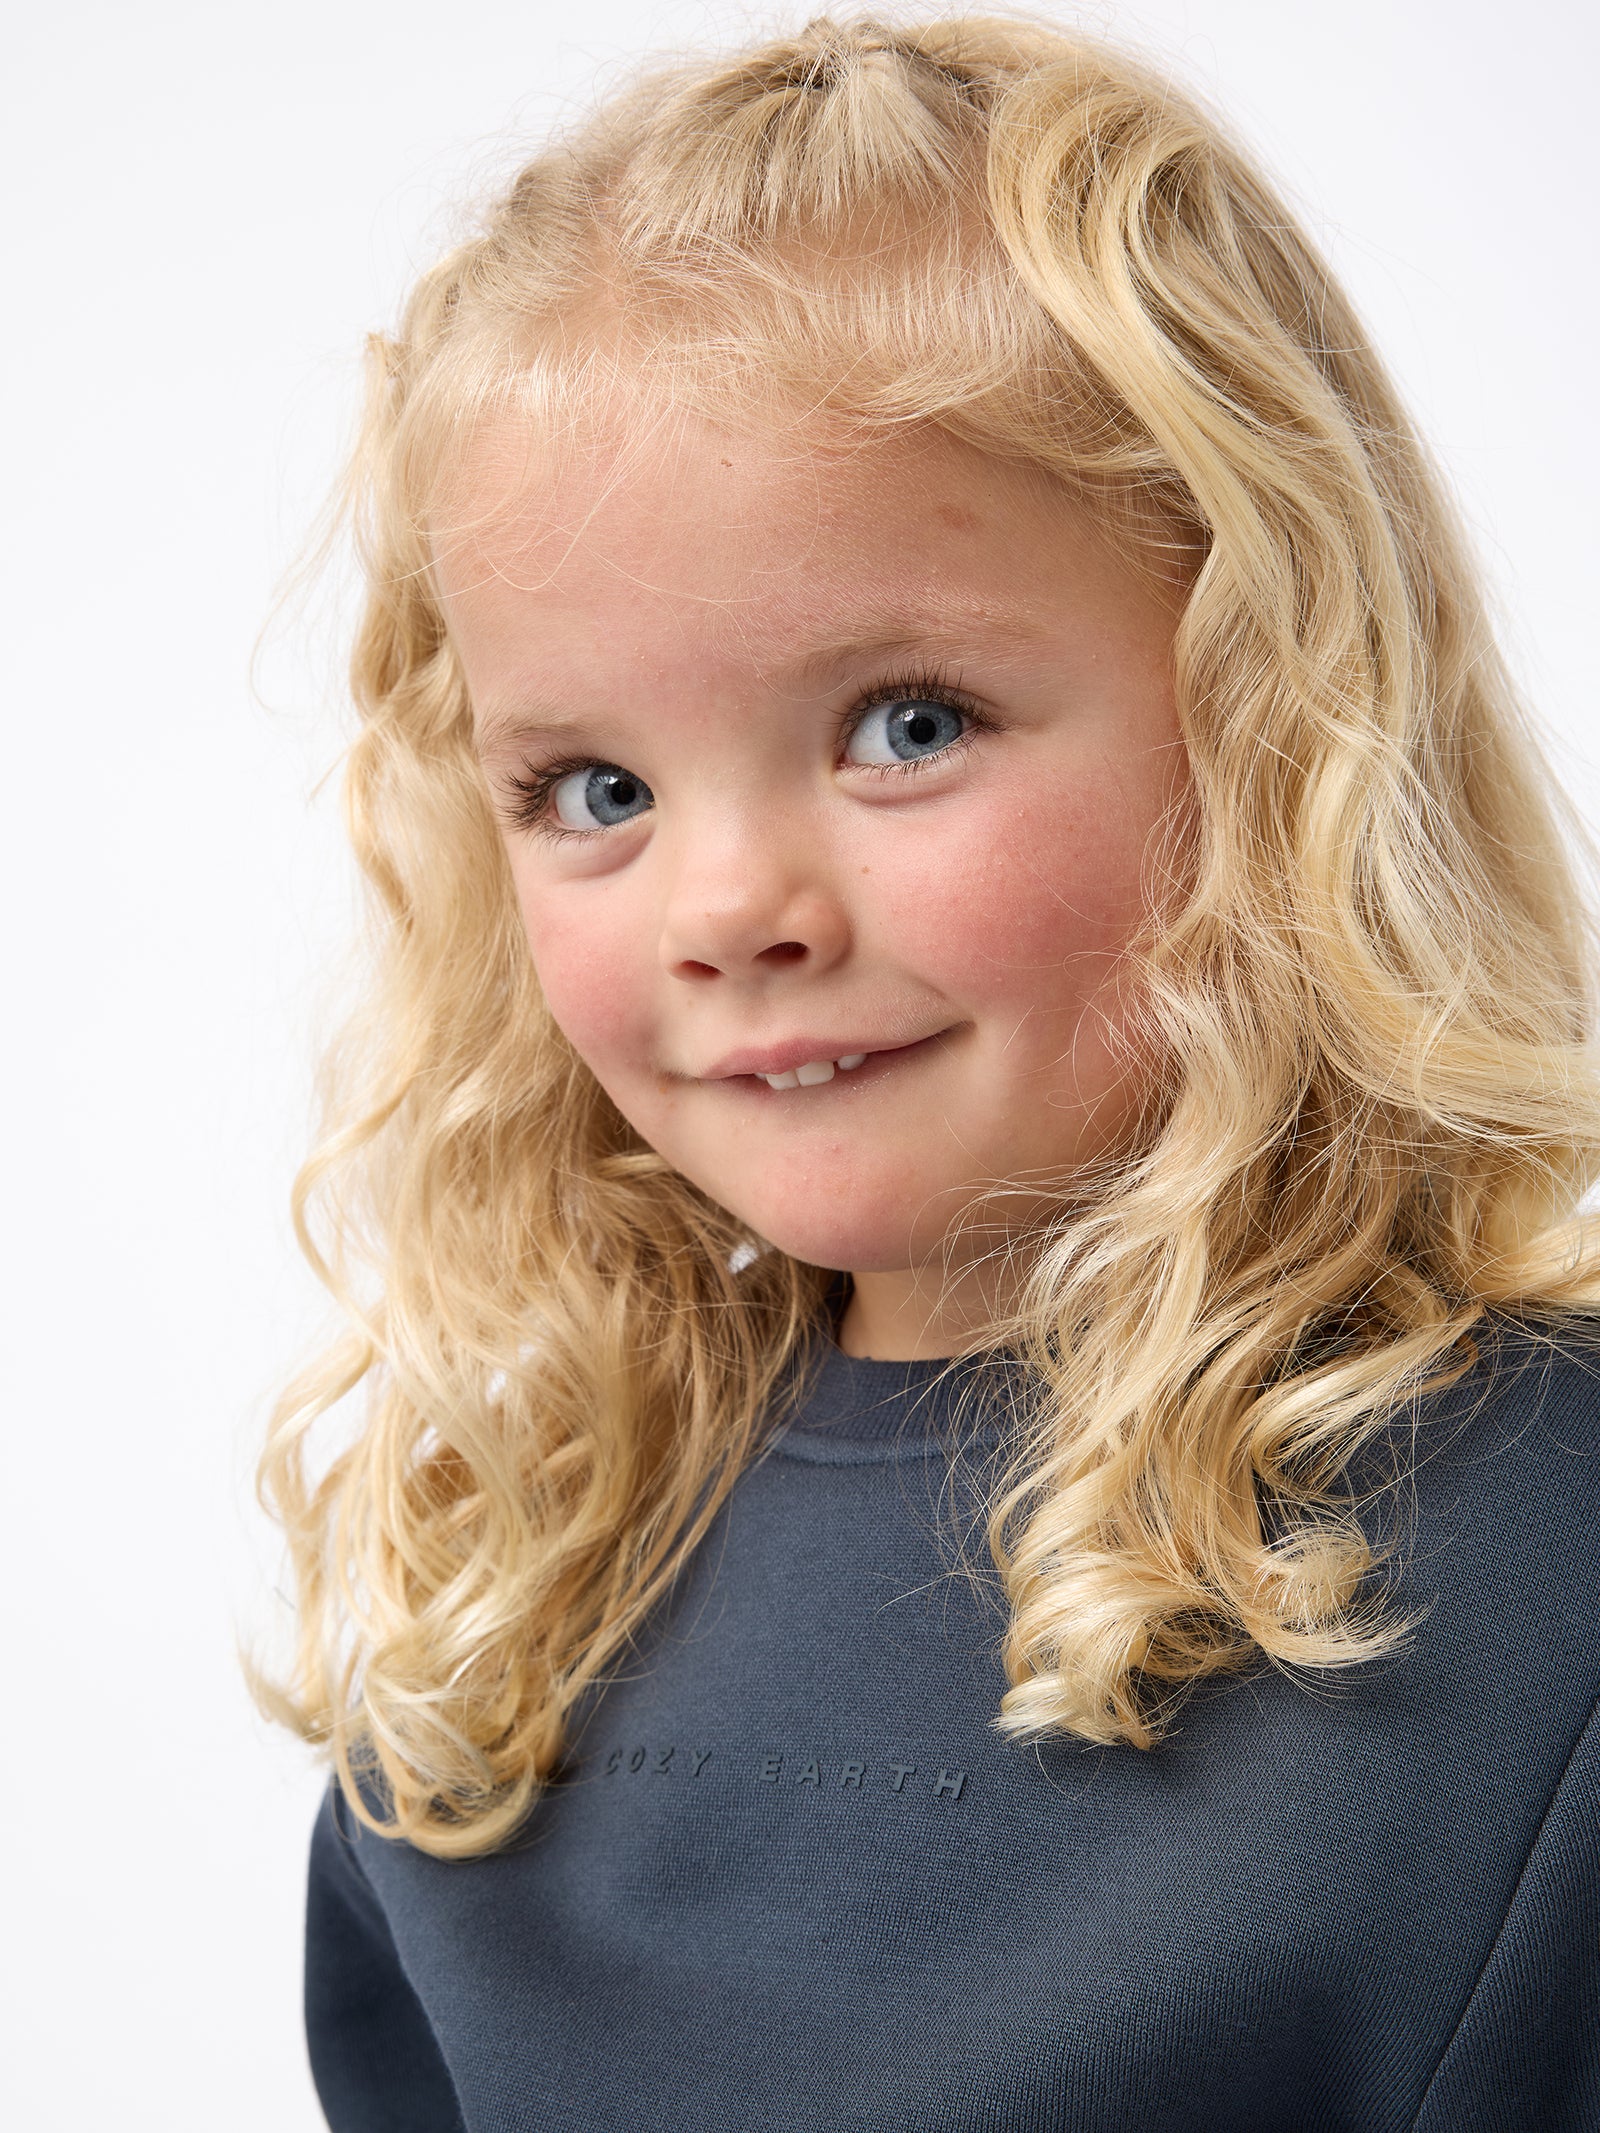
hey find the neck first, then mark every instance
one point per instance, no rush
(918, 1314)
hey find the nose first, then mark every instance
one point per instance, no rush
(751, 902)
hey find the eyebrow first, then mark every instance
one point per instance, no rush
(936, 637)
(513, 728)
(937, 631)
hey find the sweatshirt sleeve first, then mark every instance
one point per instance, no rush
(373, 2055)
(1526, 2052)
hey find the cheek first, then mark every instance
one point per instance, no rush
(593, 965)
(1026, 897)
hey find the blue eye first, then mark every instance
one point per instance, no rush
(599, 797)
(906, 730)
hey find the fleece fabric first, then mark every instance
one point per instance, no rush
(792, 1877)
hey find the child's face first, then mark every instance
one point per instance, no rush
(826, 755)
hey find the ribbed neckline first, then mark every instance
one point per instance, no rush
(863, 1399)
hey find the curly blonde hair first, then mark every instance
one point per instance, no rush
(1378, 1112)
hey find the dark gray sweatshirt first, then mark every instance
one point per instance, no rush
(793, 1879)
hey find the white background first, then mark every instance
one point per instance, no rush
(207, 207)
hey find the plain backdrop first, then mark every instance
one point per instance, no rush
(208, 207)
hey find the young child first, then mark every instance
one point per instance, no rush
(958, 1195)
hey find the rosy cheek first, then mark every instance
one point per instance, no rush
(588, 966)
(1024, 887)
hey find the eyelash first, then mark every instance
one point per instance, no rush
(526, 795)
(930, 685)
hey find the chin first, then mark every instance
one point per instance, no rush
(847, 1239)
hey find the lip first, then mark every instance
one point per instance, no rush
(800, 1051)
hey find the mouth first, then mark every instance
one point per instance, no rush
(785, 1070)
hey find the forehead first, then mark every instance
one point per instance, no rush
(752, 531)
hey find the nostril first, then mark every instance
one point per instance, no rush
(692, 969)
(783, 952)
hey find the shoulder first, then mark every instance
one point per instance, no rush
(1488, 1523)
(1510, 1445)
(1529, 1401)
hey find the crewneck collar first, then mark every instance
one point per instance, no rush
(862, 1398)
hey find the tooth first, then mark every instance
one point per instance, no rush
(815, 1071)
(781, 1081)
(854, 1059)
